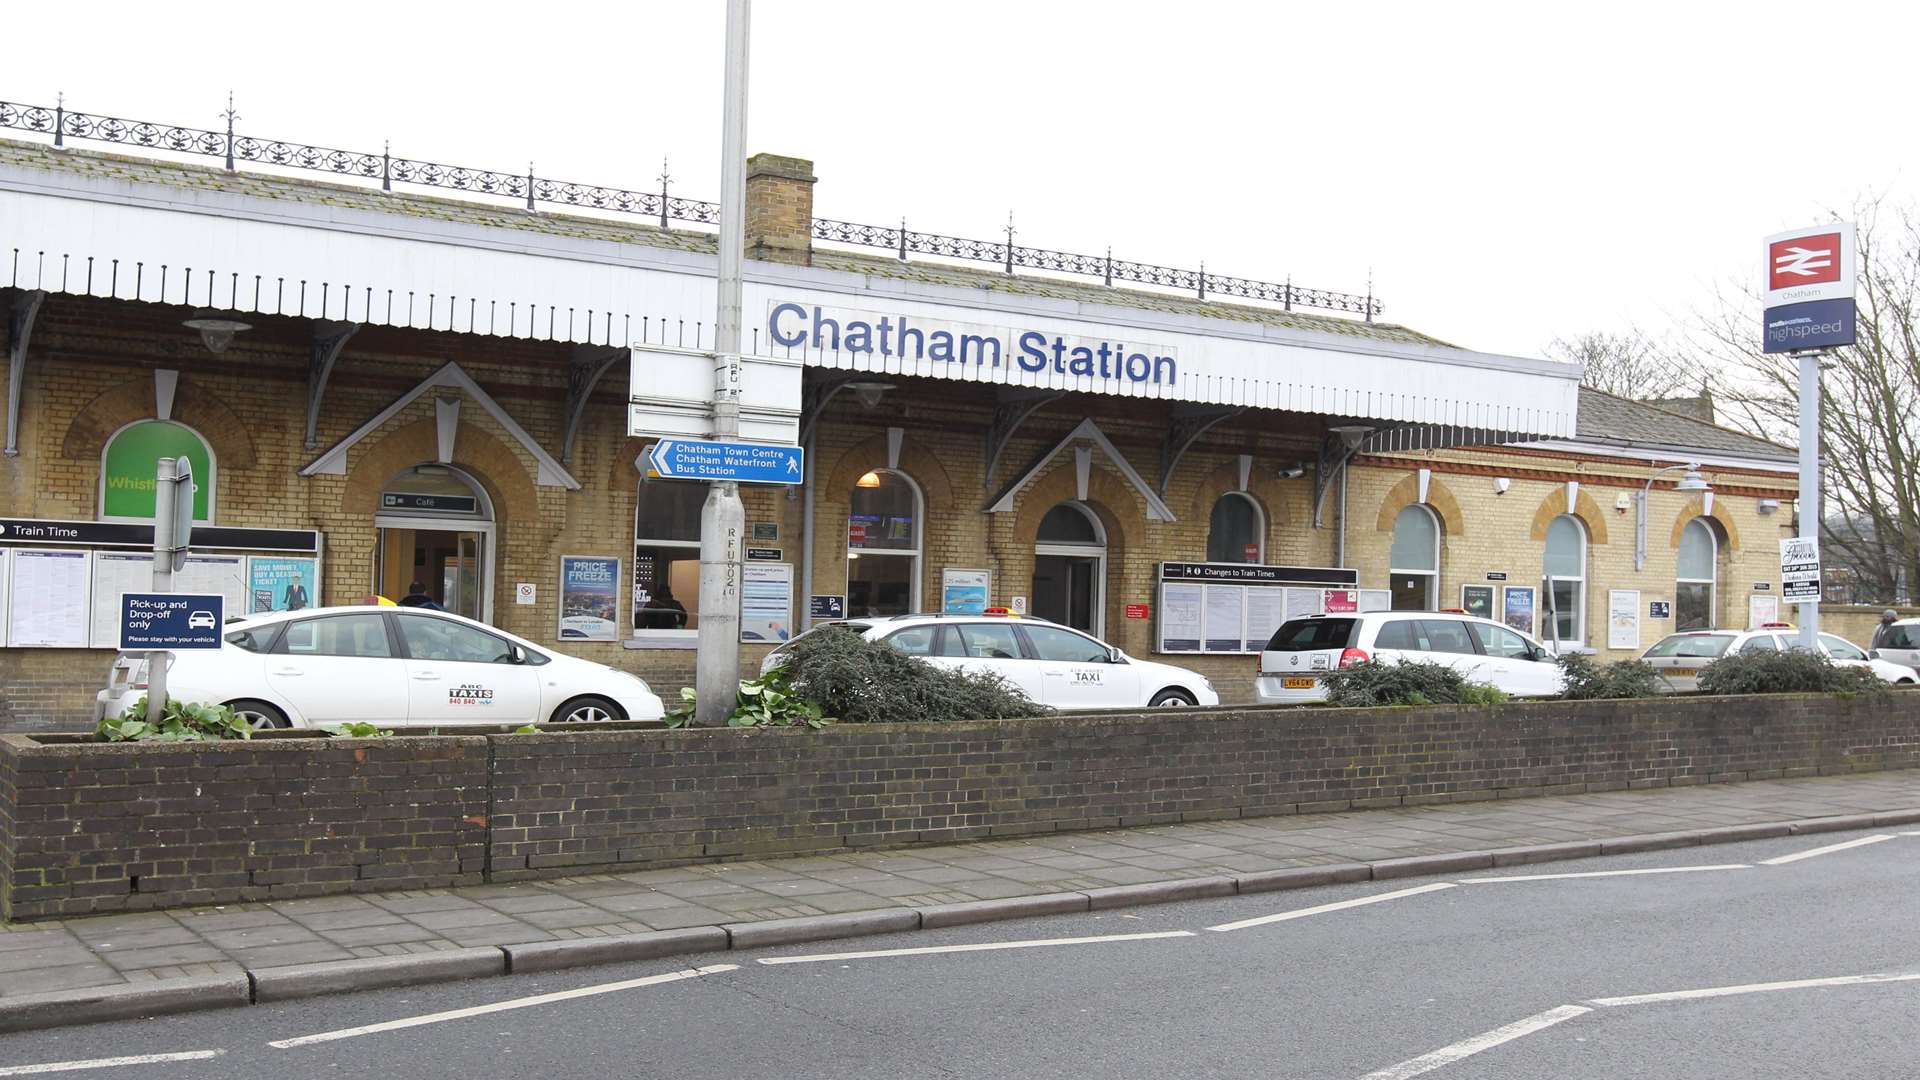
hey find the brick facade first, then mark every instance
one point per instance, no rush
(90, 827)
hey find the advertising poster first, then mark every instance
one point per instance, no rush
(589, 601)
(1623, 619)
(282, 584)
(1477, 600)
(965, 592)
(766, 602)
(1761, 610)
(1516, 607)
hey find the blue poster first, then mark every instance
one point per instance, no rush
(965, 592)
(281, 584)
(1517, 607)
(589, 599)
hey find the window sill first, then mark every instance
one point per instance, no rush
(663, 639)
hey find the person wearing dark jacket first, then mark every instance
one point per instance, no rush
(417, 597)
(1880, 632)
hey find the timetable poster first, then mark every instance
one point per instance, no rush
(1180, 617)
(115, 572)
(49, 595)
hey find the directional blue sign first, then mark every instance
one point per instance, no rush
(151, 621)
(704, 459)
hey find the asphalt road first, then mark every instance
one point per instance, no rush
(1425, 979)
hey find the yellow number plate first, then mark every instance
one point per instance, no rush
(1683, 672)
(1297, 684)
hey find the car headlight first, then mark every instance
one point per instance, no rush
(1206, 682)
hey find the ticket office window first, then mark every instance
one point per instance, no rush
(666, 557)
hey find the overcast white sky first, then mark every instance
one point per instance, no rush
(1507, 172)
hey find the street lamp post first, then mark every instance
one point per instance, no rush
(1692, 481)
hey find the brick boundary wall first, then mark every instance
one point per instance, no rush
(94, 827)
(218, 822)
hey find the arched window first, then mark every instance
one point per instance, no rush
(883, 545)
(666, 555)
(127, 468)
(1236, 531)
(1566, 571)
(1414, 563)
(1695, 580)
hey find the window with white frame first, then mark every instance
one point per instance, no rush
(1696, 578)
(1414, 562)
(1566, 573)
(666, 555)
(1236, 531)
(883, 545)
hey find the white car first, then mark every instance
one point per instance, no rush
(1052, 664)
(388, 666)
(1679, 657)
(1303, 651)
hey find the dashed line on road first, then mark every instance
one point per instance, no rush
(1605, 873)
(503, 1006)
(987, 946)
(107, 1063)
(1753, 988)
(1828, 850)
(1465, 1048)
(1322, 909)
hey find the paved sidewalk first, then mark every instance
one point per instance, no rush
(116, 950)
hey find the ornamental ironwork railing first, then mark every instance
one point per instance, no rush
(662, 206)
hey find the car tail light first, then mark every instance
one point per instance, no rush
(1350, 657)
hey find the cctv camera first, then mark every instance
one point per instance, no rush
(1501, 484)
(1293, 472)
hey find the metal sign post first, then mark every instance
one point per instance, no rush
(722, 518)
(1810, 510)
(173, 492)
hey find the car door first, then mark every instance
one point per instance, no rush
(1077, 672)
(1450, 642)
(994, 647)
(340, 668)
(1518, 666)
(461, 674)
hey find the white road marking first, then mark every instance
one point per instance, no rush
(1752, 988)
(503, 1006)
(108, 1063)
(1302, 913)
(1604, 873)
(982, 947)
(1828, 850)
(1910, 834)
(1465, 1048)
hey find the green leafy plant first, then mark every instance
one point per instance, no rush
(1587, 681)
(526, 729)
(769, 701)
(181, 721)
(869, 682)
(1790, 672)
(1417, 682)
(356, 729)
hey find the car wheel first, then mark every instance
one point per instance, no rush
(1173, 698)
(587, 710)
(259, 715)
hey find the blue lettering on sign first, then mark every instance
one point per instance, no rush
(154, 621)
(792, 325)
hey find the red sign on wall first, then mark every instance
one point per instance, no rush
(1138, 611)
(1342, 601)
(856, 533)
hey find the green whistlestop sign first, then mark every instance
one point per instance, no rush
(127, 486)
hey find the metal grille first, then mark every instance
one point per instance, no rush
(661, 206)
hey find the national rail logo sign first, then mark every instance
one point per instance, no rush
(1808, 289)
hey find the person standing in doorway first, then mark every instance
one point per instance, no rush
(417, 597)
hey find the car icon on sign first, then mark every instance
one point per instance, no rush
(201, 620)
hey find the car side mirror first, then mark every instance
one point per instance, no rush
(1873, 654)
(517, 654)
(1115, 656)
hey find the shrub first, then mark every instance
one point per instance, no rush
(1791, 672)
(181, 721)
(1586, 680)
(1418, 682)
(769, 701)
(868, 682)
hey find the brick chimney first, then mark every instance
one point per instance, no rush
(780, 209)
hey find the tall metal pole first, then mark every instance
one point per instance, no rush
(1810, 512)
(166, 476)
(722, 518)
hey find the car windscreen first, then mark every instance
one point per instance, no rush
(1705, 646)
(1305, 635)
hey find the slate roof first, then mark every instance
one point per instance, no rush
(633, 231)
(1606, 418)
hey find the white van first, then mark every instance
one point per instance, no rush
(1301, 653)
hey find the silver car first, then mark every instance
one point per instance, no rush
(1679, 657)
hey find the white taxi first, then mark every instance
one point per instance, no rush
(1052, 664)
(385, 665)
(1679, 657)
